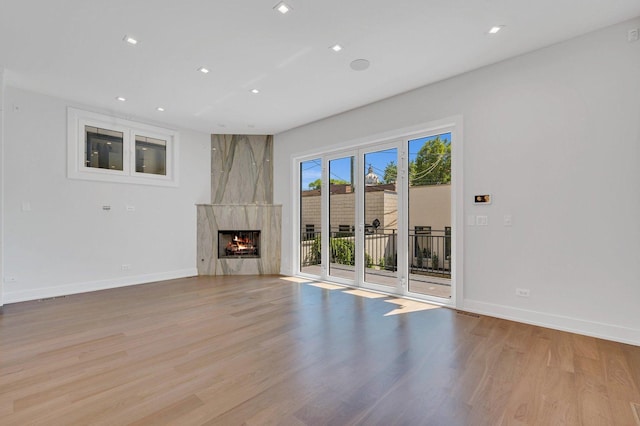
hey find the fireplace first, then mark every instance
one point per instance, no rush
(238, 244)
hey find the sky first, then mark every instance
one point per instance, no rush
(341, 168)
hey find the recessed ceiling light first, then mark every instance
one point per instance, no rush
(495, 29)
(359, 64)
(160, 109)
(282, 7)
(255, 91)
(203, 70)
(336, 48)
(130, 40)
(121, 99)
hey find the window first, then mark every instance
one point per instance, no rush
(310, 231)
(103, 148)
(106, 148)
(151, 155)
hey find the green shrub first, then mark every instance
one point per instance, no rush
(343, 251)
(315, 251)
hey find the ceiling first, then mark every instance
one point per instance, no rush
(74, 49)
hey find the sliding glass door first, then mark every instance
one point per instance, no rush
(429, 215)
(310, 217)
(342, 219)
(380, 216)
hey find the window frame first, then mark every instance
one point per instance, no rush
(77, 120)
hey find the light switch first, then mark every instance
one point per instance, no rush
(507, 220)
(482, 220)
(26, 206)
(471, 220)
(131, 208)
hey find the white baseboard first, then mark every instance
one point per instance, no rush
(84, 287)
(286, 271)
(557, 322)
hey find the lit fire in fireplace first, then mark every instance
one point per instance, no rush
(239, 246)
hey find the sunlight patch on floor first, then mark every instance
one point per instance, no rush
(367, 294)
(405, 306)
(296, 279)
(326, 286)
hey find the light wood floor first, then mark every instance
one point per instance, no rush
(264, 350)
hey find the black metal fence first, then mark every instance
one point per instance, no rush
(429, 250)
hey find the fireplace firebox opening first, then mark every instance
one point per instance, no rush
(238, 244)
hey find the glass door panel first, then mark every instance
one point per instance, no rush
(342, 218)
(380, 257)
(310, 216)
(429, 201)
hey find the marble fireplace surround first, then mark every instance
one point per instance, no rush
(241, 199)
(212, 218)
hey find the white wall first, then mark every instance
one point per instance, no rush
(1, 183)
(554, 135)
(66, 243)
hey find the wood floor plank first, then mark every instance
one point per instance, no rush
(263, 350)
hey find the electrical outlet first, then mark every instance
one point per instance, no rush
(10, 279)
(633, 35)
(522, 292)
(126, 267)
(482, 220)
(131, 208)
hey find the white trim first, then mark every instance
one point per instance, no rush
(88, 286)
(77, 119)
(557, 322)
(457, 211)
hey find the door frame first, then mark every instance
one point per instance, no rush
(394, 143)
(326, 217)
(453, 125)
(455, 222)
